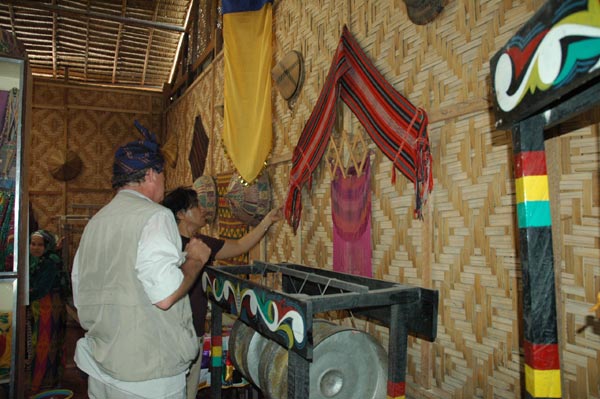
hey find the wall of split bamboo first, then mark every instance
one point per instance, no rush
(467, 245)
(93, 122)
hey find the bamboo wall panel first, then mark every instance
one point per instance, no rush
(219, 160)
(93, 123)
(180, 121)
(470, 229)
(574, 173)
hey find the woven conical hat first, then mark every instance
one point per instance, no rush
(421, 12)
(288, 75)
(64, 166)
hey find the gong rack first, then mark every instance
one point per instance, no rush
(286, 315)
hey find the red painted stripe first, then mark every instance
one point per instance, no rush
(216, 340)
(530, 163)
(541, 356)
(395, 389)
(520, 58)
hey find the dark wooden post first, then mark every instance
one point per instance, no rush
(397, 353)
(298, 376)
(540, 342)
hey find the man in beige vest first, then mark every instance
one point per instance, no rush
(130, 284)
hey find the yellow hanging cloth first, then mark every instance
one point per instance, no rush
(247, 42)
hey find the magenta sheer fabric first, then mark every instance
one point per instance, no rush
(351, 213)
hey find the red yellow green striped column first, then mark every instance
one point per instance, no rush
(540, 345)
(397, 353)
(396, 390)
(216, 352)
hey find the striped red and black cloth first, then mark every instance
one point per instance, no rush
(396, 126)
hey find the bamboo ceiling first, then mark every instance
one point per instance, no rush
(124, 43)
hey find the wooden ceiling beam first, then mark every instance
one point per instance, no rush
(118, 44)
(92, 14)
(12, 20)
(194, 33)
(54, 25)
(149, 46)
(87, 43)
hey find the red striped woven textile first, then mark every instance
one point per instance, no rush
(396, 126)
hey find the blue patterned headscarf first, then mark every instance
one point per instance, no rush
(138, 155)
(49, 239)
(46, 273)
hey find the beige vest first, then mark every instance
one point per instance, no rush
(132, 340)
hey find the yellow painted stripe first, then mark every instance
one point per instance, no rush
(217, 351)
(396, 397)
(542, 383)
(532, 188)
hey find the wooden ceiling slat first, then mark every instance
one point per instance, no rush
(149, 45)
(92, 14)
(87, 43)
(12, 19)
(35, 37)
(114, 42)
(118, 44)
(54, 62)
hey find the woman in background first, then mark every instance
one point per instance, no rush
(46, 313)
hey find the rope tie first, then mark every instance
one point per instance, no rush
(303, 283)
(326, 286)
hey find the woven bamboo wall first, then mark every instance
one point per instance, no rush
(93, 123)
(467, 245)
(200, 100)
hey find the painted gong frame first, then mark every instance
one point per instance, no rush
(286, 315)
(547, 73)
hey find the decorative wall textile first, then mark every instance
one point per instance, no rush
(199, 150)
(229, 225)
(351, 213)
(7, 203)
(396, 126)
(5, 344)
(247, 130)
(8, 140)
(3, 102)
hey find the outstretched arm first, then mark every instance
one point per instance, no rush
(233, 248)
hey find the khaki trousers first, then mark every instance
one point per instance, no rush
(193, 377)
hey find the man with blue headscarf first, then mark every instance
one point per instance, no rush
(130, 284)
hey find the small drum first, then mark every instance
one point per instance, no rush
(64, 167)
(206, 188)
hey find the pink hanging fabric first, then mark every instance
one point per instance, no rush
(351, 212)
